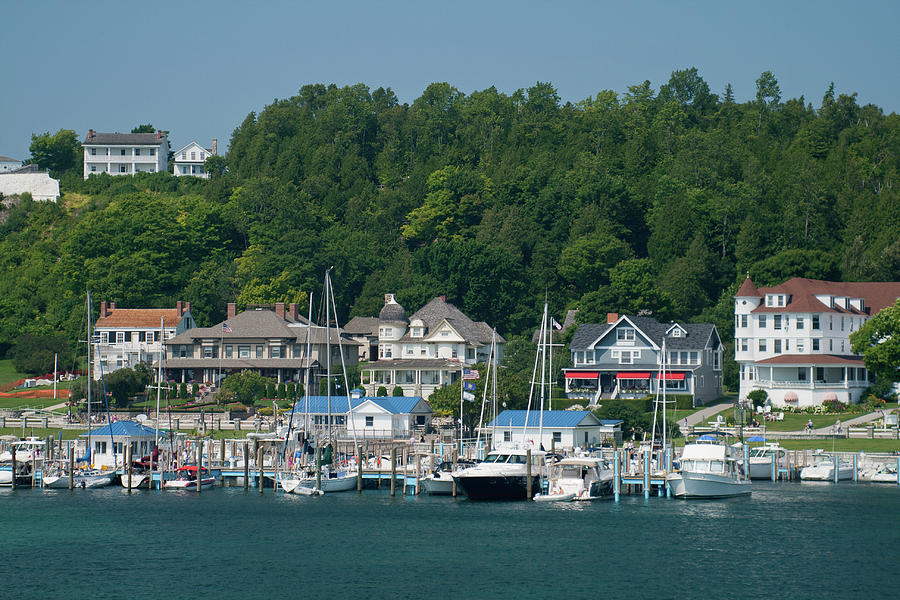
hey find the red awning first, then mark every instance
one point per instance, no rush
(674, 376)
(633, 375)
(583, 375)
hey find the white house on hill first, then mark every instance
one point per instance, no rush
(125, 153)
(189, 160)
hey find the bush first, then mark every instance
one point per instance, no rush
(382, 392)
(290, 390)
(758, 397)
(281, 391)
(398, 391)
(182, 391)
(265, 411)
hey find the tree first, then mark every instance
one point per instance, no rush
(147, 128)
(182, 391)
(758, 397)
(768, 95)
(245, 387)
(270, 391)
(60, 152)
(215, 165)
(397, 392)
(124, 383)
(381, 392)
(282, 391)
(878, 340)
(33, 354)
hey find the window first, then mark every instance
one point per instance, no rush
(762, 345)
(370, 421)
(120, 337)
(627, 357)
(137, 151)
(470, 353)
(93, 152)
(259, 352)
(777, 347)
(801, 374)
(93, 168)
(769, 300)
(815, 345)
(453, 352)
(208, 352)
(762, 321)
(104, 337)
(625, 334)
(127, 336)
(799, 322)
(152, 151)
(800, 346)
(184, 156)
(275, 352)
(831, 344)
(717, 361)
(776, 321)
(557, 437)
(831, 323)
(744, 345)
(243, 351)
(780, 300)
(122, 169)
(842, 323)
(842, 346)
(744, 320)
(409, 350)
(229, 351)
(815, 321)
(202, 156)
(820, 373)
(507, 436)
(417, 331)
(701, 381)
(122, 151)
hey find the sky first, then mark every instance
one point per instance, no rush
(198, 68)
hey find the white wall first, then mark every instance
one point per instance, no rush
(40, 185)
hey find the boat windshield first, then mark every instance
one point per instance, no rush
(496, 458)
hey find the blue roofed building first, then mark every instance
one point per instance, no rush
(108, 442)
(561, 428)
(368, 417)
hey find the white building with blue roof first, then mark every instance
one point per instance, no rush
(561, 428)
(108, 443)
(370, 417)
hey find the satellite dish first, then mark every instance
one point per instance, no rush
(141, 418)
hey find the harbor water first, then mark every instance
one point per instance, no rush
(788, 540)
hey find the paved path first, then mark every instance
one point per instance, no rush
(701, 416)
(851, 422)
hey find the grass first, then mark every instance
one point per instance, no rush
(8, 372)
(844, 445)
(7, 403)
(797, 421)
(67, 434)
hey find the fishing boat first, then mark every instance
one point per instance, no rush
(186, 479)
(761, 460)
(824, 471)
(503, 475)
(582, 477)
(707, 470)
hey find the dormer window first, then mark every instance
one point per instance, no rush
(676, 332)
(417, 332)
(780, 300)
(625, 335)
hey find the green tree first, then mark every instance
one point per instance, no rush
(245, 387)
(878, 340)
(33, 354)
(215, 165)
(397, 392)
(60, 152)
(182, 391)
(282, 391)
(123, 384)
(146, 128)
(381, 392)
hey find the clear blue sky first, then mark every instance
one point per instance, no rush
(197, 68)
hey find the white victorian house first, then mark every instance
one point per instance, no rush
(428, 350)
(189, 160)
(793, 340)
(125, 153)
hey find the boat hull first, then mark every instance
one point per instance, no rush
(555, 497)
(761, 469)
(138, 481)
(438, 486)
(498, 487)
(706, 485)
(189, 485)
(826, 473)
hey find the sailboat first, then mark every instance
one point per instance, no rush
(327, 477)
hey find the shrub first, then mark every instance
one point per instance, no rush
(382, 391)
(182, 391)
(758, 397)
(397, 392)
(281, 391)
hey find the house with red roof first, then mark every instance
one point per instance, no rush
(793, 339)
(125, 337)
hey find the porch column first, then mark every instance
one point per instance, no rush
(279, 375)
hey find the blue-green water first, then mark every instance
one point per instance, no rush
(786, 541)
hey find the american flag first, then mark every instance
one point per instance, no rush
(226, 328)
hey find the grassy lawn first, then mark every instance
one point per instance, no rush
(67, 434)
(6, 403)
(797, 422)
(8, 372)
(844, 445)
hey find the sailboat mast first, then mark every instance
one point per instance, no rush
(337, 328)
(328, 348)
(664, 395)
(306, 374)
(90, 379)
(159, 371)
(543, 347)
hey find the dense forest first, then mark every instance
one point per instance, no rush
(654, 200)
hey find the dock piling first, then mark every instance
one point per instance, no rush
(359, 469)
(418, 471)
(646, 466)
(259, 465)
(246, 465)
(617, 476)
(128, 465)
(528, 489)
(71, 466)
(393, 470)
(13, 457)
(453, 470)
(198, 460)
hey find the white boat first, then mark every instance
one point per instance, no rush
(824, 471)
(186, 479)
(83, 479)
(26, 450)
(555, 496)
(585, 477)
(440, 482)
(707, 471)
(503, 475)
(761, 460)
(138, 480)
(884, 474)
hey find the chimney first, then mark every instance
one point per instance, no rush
(612, 318)
(187, 307)
(279, 309)
(232, 310)
(103, 310)
(292, 308)
(443, 297)
(388, 298)
(90, 134)
(159, 134)
(179, 308)
(215, 146)
(112, 306)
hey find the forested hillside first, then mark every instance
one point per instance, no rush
(654, 200)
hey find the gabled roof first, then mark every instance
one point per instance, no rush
(802, 294)
(812, 359)
(129, 428)
(747, 290)
(8, 159)
(697, 334)
(191, 143)
(261, 324)
(439, 310)
(318, 405)
(139, 317)
(588, 333)
(362, 326)
(124, 139)
(552, 418)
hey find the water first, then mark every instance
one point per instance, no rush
(786, 541)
